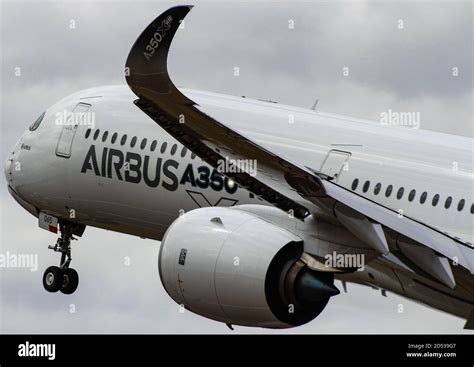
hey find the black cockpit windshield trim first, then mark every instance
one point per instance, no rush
(37, 123)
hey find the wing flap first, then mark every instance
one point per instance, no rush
(453, 249)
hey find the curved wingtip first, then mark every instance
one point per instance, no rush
(146, 65)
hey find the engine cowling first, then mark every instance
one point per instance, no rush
(235, 267)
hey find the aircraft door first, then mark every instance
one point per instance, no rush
(71, 122)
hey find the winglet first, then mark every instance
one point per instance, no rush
(147, 76)
(146, 69)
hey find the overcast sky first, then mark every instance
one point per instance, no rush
(406, 70)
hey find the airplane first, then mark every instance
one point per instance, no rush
(259, 206)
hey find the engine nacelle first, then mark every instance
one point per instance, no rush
(235, 267)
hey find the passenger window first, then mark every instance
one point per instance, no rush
(104, 136)
(411, 195)
(37, 123)
(435, 200)
(133, 142)
(163, 147)
(153, 145)
(193, 155)
(400, 193)
(472, 208)
(143, 144)
(96, 134)
(461, 204)
(388, 191)
(423, 197)
(448, 202)
(88, 132)
(114, 138)
(377, 188)
(174, 148)
(355, 183)
(183, 152)
(366, 186)
(123, 140)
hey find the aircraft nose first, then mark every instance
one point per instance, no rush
(7, 170)
(10, 164)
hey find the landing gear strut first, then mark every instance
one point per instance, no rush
(62, 278)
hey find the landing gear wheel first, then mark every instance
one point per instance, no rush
(70, 281)
(52, 279)
(63, 278)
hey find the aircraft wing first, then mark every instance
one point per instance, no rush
(287, 185)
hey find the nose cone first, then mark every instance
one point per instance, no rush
(12, 163)
(12, 166)
(7, 170)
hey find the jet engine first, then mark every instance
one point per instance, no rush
(235, 267)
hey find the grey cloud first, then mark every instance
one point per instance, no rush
(409, 67)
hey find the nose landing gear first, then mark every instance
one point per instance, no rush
(62, 278)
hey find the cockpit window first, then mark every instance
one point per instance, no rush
(37, 123)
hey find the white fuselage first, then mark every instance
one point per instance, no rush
(115, 186)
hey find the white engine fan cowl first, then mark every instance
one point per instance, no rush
(215, 260)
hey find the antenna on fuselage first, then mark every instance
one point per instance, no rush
(315, 104)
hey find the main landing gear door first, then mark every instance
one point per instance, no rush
(70, 122)
(336, 161)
